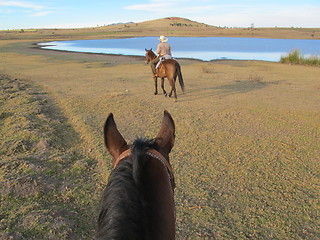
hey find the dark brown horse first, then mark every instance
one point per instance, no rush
(169, 69)
(138, 202)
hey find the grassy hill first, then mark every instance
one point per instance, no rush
(170, 26)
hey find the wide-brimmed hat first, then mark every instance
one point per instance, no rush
(163, 39)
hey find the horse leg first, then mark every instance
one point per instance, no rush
(170, 82)
(155, 85)
(162, 86)
(174, 91)
(173, 88)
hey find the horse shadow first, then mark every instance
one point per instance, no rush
(236, 87)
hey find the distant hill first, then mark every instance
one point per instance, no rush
(174, 22)
(177, 26)
(169, 26)
(164, 26)
(120, 23)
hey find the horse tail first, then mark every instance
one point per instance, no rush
(178, 69)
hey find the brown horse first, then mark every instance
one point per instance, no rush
(138, 202)
(169, 69)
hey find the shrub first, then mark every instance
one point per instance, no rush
(295, 57)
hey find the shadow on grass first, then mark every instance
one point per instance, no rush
(237, 87)
(44, 169)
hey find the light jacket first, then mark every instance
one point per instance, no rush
(163, 49)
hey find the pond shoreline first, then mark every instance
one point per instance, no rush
(117, 56)
(203, 49)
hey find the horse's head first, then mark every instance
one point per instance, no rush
(139, 197)
(150, 55)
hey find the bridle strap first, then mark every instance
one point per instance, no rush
(154, 154)
(123, 155)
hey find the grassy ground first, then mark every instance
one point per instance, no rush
(246, 158)
(47, 185)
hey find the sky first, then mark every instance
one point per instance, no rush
(224, 13)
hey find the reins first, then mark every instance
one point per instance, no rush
(154, 154)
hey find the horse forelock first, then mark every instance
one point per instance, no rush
(122, 207)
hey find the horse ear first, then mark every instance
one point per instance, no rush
(166, 135)
(113, 139)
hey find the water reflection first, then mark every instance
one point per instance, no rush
(208, 48)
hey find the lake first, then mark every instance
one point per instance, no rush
(203, 48)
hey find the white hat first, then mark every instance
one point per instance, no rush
(163, 39)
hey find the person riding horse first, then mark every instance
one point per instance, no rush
(163, 51)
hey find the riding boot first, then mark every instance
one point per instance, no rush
(153, 64)
(153, 68)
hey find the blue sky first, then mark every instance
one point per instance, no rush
(22, 14)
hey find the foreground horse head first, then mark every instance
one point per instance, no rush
(138, 202)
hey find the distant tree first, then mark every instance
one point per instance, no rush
(181, 25)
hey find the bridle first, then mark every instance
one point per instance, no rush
(155, 155)
(149, 57)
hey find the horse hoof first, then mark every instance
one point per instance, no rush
(165, 95)
(155, 93)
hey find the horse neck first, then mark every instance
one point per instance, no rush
(152, 55)
(156, 188)
(158, 194)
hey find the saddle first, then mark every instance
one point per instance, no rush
(163, 58)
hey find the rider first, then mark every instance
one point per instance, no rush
(163, 51)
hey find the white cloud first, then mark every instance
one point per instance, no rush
(40, 14)
(235, 14)
(177, 8)
(303, 16)
(21, 4)
(149, 7)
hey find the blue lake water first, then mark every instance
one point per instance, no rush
(203, 48)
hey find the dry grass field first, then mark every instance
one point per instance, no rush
(246, 158)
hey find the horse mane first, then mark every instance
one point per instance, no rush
(120, 218)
